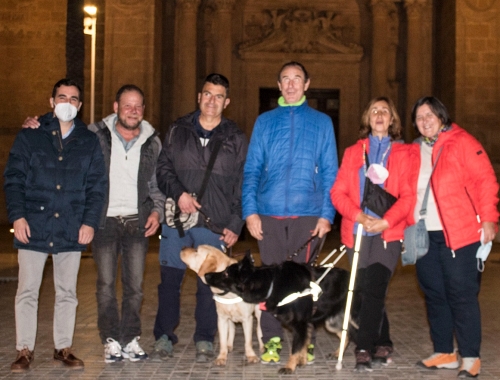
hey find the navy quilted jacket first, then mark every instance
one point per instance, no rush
(56, 187)
(291, 164)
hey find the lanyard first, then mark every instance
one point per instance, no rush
(381, 161)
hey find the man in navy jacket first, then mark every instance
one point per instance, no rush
(55, 184)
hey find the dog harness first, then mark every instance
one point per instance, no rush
(314, 289)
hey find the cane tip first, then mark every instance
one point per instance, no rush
(338, 366)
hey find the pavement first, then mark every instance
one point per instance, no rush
(405, 305)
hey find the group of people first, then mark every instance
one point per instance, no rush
(67, 186)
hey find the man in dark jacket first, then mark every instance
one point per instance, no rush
(133, 210)
(55, 184)
(181, 169)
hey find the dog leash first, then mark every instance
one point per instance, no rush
(290, 257)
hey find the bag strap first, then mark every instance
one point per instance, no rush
(423, 209)
(210, 166)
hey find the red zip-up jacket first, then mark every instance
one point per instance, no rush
(345, 193)
(464, 185)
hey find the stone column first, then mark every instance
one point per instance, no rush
(418, 58)
(381, 13)
(222, 44)
(185, 56)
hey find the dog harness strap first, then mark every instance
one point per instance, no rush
(314, 291)
(227, 301)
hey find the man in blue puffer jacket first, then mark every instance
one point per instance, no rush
(55, 186)
(290, 168)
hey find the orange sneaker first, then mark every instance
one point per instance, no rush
(440, 360)
(471, 367)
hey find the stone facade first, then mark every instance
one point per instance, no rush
(354, 48)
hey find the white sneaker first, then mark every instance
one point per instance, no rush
(133, 352)
(112, 351)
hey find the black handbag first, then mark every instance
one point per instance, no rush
(375, 198)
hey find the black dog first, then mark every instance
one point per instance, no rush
(271, 284)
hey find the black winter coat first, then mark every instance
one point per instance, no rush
(55, 186)
(183, 161)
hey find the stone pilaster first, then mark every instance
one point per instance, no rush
(185, 56)
(419, 56)
(222, 43)
(382, 11)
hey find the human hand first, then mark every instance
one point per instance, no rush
(254, 226)
(22, 230)
(489, 231)
(322, 228)
(152, 224)
(188, 204)
(31, 122)
(377, 225)
(85, 235)
(365, 220)
(229, 237)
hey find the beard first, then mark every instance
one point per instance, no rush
(129, 127)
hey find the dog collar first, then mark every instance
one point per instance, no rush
(314, 291)
(227, 301)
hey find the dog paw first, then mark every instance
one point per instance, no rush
(285, 371)
(229, 348)
(253, 359)
(333, 355)
(220, 362)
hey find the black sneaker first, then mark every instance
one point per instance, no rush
(204, 351)
(382, 356)
(363, 361)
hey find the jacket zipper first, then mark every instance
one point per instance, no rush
(290, 151)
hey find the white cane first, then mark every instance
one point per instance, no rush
(347, 314)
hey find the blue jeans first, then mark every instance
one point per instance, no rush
(120, 237)
(172, 274)
(451, 287)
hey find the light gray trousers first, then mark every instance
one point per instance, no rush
(31, 264)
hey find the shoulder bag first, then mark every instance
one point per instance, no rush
(174, 218)
(416, 239)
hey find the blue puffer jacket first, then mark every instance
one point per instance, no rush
(291, 164)
(55, 186)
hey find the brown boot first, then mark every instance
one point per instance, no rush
(67, 358)
(23, 360)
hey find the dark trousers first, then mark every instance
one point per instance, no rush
(375, 268)
(121, 237)
(451, 285)
(282, 237)
(172, 274)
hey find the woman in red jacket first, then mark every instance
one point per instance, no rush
(461, 208)
(381, 241)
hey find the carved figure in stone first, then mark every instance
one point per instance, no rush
(298, 30)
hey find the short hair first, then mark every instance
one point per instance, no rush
(69, 83)
(126, 88)
(296, 64)
(395, 127)
(218, 79)
(437, 108)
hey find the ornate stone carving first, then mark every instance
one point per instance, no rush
(299, 30)
(382, 7)
(480, 5)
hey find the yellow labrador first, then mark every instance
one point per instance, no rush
(230, 308)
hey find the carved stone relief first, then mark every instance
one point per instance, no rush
(299, 30)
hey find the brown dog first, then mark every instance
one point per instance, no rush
(230, 308)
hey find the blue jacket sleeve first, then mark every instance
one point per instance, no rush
(252, 172)
(328, 170)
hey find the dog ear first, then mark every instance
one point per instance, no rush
(249, 257)
(209, 265)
